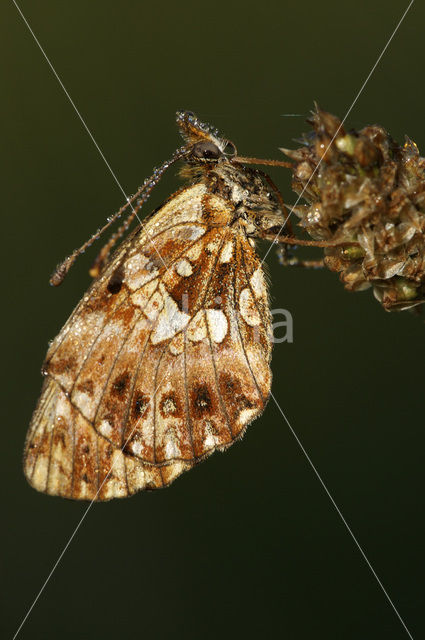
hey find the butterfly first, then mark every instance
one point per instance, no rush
(167, 356)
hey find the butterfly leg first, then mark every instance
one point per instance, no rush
(288, 259)
(288, 224)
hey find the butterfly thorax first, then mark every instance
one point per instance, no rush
(249, 200)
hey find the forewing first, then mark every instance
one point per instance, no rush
(165, 359)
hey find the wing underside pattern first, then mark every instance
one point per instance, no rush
(165, 360)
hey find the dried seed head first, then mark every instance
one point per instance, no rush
(363, 187)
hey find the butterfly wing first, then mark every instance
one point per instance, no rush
(165, 359)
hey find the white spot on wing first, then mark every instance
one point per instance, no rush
(84, 402)
(227, 252)
(217, 323)
(258, 283)
(188, 232)
(105, 428)
(171, 448)
(184, 268)
(154, 307)
(143, 295)
(40, 471)
(246, 415)
(170, 320)
(136, 447)
(115, 486)
(213, 245)
(209, 441)
(195, 251)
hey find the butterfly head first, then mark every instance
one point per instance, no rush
(214, 160)
(204, 143)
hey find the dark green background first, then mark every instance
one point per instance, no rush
(247, 544)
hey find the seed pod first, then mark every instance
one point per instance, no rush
(361, 187)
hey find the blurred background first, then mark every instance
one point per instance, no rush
(248, 543)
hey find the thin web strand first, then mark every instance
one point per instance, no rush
(338, 510)
(127, 198)
(83, 517)
(342, 123)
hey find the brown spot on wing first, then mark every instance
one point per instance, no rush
(115, 282)
(233, 394)
(202, 402)
(120, 384)
(86, 386)
(140, 405)
(60, 366)
(64, 456)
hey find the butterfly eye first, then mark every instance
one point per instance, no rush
(206, 151)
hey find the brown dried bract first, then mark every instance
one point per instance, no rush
(166, 358)
(364, 189)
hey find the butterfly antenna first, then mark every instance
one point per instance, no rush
(270, 163)
(103, 254)
(140, 197)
